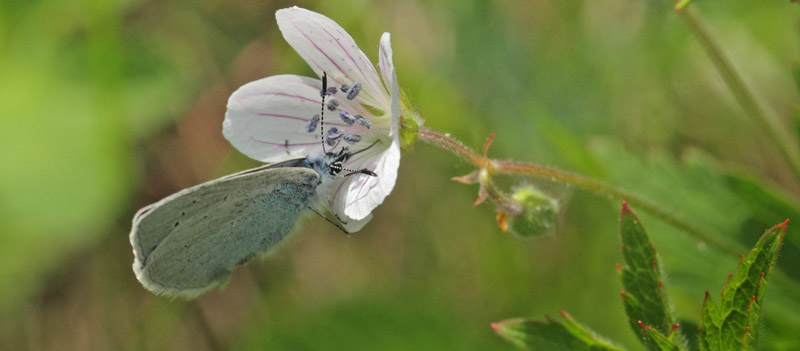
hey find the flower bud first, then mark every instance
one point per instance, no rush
(536, 217)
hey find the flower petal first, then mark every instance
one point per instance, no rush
(386, 66)
(266, 119)
(397, 109)
(327, 47)
(359, 194)
(353, 225)
(385, 63)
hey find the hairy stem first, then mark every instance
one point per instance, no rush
(595, 186)
(743, 95)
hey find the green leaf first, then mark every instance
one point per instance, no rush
(659, 341)
(694, 187)
(670, 182)
(768, 206)
(563, 140)
(551, 335)
(645, 302)
(732, 324)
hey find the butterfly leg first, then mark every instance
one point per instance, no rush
(337, 225)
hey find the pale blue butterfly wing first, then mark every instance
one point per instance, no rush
(190, 241)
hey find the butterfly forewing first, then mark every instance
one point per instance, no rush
(189, 241)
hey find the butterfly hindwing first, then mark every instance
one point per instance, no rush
(191, 240)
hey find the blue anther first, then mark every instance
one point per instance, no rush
(312, 124)
(354, 91)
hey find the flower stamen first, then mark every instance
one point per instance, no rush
(352, 138)
(333, 136)
(333, 104)
(312, 124)
(354, 91)
(347, 118)
(363, 121)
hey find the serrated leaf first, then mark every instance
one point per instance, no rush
(643, 295)
(551, 335)
(694, 187)
(768, 205)
(689, 333)
(660, 341)
(732, 323)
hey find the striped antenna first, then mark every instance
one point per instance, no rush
(322, 93)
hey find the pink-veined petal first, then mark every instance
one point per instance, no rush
(358, 196)
(266, 119)
(397, 110)
(385, 63)
(327, 47)
(386, 66)
(324, 204)
(353, 225)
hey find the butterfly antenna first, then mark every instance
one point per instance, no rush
(363, 170)
(359, 171)
(322, 93)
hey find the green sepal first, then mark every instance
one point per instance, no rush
(409, 128)
(410, 122)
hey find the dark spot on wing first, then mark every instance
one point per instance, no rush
(225, 198)
(194, 201)
(183, 213)
(176, 223)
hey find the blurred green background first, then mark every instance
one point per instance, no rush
(107, 106)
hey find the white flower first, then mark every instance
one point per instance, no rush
(270, 120)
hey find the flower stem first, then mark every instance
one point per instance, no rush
(595, 186)
(743, 95)
(449, 144)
